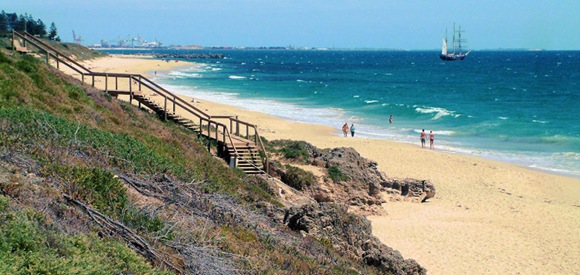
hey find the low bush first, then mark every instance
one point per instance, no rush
(290, 149)
(30, 245)
(297, 177)
(336, 175)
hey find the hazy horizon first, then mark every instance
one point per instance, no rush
(370, 24)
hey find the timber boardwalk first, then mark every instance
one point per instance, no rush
(238, 142)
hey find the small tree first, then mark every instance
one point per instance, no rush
(52, 33)
(3, 21)
(39, 28)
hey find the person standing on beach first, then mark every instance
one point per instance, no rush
(345, 129)
(423, 137)
(431, 140)
(391, 119)
(352, 130)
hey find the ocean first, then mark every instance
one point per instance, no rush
(520, 107)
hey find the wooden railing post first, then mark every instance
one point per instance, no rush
(83, 77)
(256, 134)
(208, 128)
(165, 107)
(130, 89)
(93, 80)
(174, 104)
(208, 135)
(200, 128)
(237, 126)
(116, 83)
(57, 62)
(106, 82)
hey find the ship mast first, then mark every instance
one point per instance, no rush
(459, 39)
(453, 43)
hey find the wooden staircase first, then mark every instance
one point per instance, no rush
(248, 156)
(248, 159)
(235, 147)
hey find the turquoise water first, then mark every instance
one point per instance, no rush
(518, 107)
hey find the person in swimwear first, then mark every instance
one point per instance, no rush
(431, 140)
(345, 129)
(423, 138)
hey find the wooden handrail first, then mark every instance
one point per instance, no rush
(26, 34)
(176, 97)
(167, 95)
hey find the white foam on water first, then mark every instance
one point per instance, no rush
(325, 116)
(444, 133)
(371, 101)
(184, 74)
(439, 112)
(237, 77)
(561, 163)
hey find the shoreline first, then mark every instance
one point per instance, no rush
(487, 216)
(561, 163)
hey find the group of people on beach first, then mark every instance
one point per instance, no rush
(423, 137)
(346, 129)
(431, 139)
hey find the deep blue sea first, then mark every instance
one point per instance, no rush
(521, 107)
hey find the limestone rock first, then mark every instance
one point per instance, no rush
(349, 233)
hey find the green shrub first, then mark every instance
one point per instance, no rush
(297, 177)
(104, 191)
(7, 91)
(336, 175)
(74, 92)
(94, 186)
(28, 64)
(4, 202)
(4, 58)
(29, 245)
(141, 221)
(290, 149)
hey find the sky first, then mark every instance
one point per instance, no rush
(381, 24)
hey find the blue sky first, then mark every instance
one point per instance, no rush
(411, 24)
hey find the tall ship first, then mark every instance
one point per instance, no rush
(456, 51)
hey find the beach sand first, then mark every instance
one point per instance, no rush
(487, 217)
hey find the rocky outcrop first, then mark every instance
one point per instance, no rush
(350, 179)
(349, 233)
(361, 185)
(410, 189)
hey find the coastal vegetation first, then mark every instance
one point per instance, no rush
(89, 183)
(25, 22)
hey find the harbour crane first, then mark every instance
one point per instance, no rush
(77, 39)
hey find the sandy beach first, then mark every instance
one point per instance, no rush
(487, 217)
